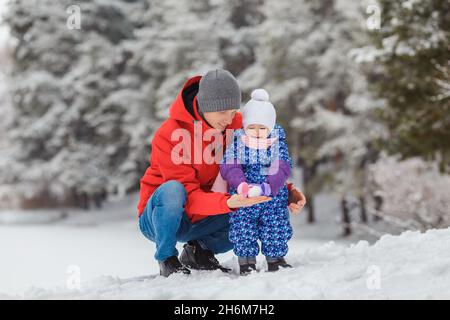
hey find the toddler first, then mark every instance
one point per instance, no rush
(257, 162)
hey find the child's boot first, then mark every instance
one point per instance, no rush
(274, 264)
(247, 265)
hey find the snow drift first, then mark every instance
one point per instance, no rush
(413, 265)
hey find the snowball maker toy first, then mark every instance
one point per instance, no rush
(253, 190)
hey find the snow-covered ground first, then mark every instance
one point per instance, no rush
(115, 261)
(105, 242)
(411, 266)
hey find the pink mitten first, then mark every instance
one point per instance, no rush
(243, 189)
(253, 190)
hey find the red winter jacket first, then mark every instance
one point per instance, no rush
(196, 178)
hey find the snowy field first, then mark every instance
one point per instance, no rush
(116, 262)
(39, 248)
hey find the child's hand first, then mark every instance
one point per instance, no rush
(253, 190)
(243, 189)
(239, 201)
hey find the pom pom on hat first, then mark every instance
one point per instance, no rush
(259, 110)
(260, 95)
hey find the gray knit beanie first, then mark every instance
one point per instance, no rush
(218, 91)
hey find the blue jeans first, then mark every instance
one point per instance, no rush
(164, 222)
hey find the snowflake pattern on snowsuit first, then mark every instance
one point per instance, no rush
(268, 221)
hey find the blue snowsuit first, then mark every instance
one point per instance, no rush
(268, 221)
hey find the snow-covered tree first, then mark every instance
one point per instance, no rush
(81, 121)
(303, 59)
(410, 56)
(86, 101)
(414, 192)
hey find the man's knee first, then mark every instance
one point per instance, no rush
(171, 194)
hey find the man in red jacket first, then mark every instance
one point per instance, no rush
(176, 202)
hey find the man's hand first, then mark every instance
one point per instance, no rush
(239, 201)
(297, 200)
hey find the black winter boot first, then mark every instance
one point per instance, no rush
(245, 269)
(274, 264)
(197, 258)
(247, 265)
(172, 265)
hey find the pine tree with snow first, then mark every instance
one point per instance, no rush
(303, 59)
(411, 60)
(82, 120)
(85, 110)
(414, 193)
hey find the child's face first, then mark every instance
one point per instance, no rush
(257, 131)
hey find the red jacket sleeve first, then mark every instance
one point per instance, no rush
(289, 186)
(198, 201)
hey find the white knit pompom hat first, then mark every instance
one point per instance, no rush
(259, 110)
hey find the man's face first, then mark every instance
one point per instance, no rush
(220, 119)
